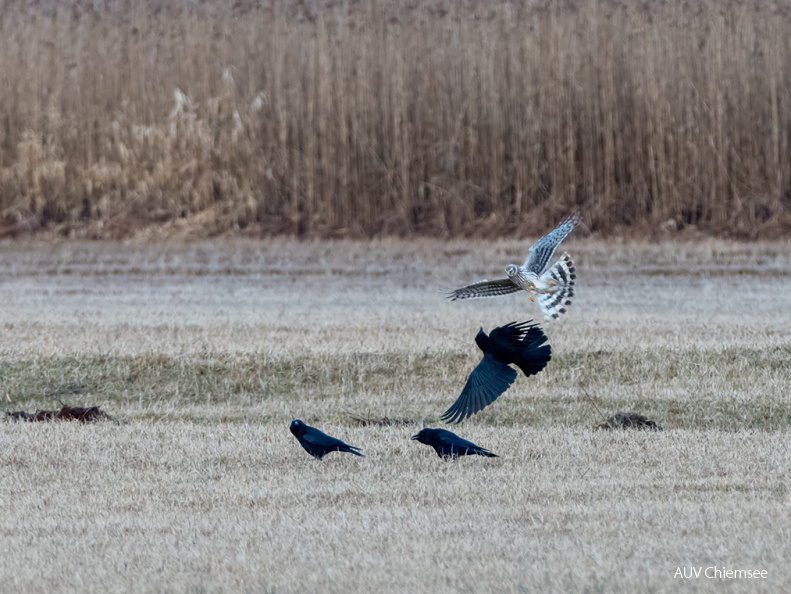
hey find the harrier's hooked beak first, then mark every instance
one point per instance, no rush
(531, 298)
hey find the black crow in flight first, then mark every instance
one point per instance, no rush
(520, 344)
(450, 445)
(317, 443)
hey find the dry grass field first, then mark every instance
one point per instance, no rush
(207, 351)
(369, 118)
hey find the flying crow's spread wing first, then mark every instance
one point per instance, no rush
(502, 286)
(488, 380)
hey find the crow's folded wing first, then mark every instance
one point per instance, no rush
(319, 438)
(462, 446)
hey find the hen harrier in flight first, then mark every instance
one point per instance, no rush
(553, 286)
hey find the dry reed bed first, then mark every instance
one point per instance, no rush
(377, 118)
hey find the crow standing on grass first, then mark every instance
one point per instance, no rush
(317, 443)
(520, 344)
(450, 445)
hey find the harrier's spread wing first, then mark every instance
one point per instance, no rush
(502, 286)
(542, 250)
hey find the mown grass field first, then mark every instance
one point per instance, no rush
(207, 351)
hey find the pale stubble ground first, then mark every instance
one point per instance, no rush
(208, 350)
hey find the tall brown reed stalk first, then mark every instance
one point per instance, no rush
(406, 117)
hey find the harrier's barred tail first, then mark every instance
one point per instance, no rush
(554, 304)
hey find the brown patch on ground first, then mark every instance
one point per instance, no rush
(382, 422)
(90, 414)
(629, 420)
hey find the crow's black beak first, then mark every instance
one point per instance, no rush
(415, 437)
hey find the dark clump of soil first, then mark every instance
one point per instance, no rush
(90, 414)
(383, 422)
(629, 420)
